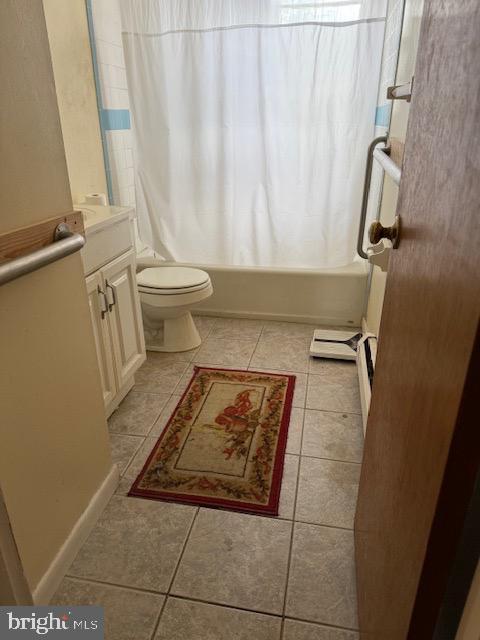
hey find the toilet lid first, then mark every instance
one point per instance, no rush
(172, 278)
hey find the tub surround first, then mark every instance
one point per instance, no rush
(113, 99)
(68, 38)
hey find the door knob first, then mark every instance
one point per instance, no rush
(378, 232)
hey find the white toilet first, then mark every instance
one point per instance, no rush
(167, 295)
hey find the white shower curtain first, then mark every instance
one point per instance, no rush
(251, 121)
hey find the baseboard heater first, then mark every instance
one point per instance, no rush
(366, 357)
(350, 345)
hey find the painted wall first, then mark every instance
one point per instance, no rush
(67, 29)
(54, 450)
(398, 129)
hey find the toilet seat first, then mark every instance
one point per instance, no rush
(172, 280)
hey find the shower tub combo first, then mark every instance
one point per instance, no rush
(334, 297)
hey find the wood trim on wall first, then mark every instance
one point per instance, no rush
(23, 241)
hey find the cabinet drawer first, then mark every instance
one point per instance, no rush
(105, 244)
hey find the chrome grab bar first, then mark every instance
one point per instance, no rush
(366, 190)
(65, 243)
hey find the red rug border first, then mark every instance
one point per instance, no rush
(271, 508)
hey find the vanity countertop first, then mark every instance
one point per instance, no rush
(96, 217)
(108, 232)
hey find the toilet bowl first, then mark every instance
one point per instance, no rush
(167, 295)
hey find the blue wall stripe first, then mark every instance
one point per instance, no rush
(91, 36)
(114, 119)
(382, 115)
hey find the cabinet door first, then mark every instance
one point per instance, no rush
(125, 317)
(97, 302)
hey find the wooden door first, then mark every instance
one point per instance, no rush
(97, 301)
(124, 317)
(421, 448)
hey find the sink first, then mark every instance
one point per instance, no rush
(108, 233)
(94, 215)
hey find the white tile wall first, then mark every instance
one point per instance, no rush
(393, 30)
(114, 95)
(107, 21)
(120, 155)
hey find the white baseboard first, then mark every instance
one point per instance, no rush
(51, 579)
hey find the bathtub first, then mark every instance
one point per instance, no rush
(316, 296)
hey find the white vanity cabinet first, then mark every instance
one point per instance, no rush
(101, 331)
(125, 318)
(109, 265)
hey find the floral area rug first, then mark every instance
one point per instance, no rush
(224, 445)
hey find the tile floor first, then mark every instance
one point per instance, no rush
(169, 571)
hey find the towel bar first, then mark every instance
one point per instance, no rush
(65, 243)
